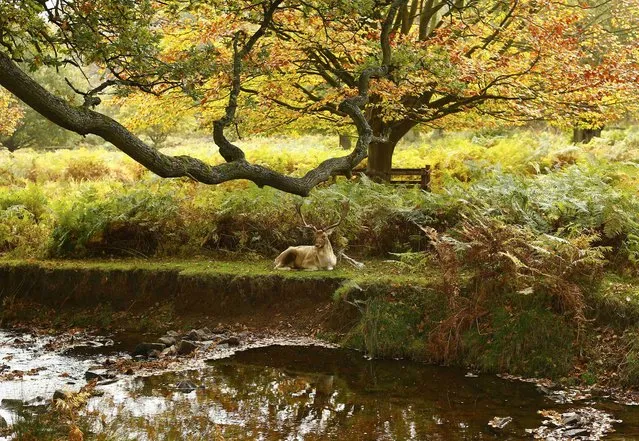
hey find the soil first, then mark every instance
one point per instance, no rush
(155, 299)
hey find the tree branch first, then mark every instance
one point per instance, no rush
(85, 121)
(387, 27)
(228, 150)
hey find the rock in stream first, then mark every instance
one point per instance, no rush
(583, 424)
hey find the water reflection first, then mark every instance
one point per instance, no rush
(294, 393)
(281, 392)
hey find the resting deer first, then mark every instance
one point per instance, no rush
(311, 257)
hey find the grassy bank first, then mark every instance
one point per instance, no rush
(386, 310)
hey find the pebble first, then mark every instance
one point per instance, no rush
(60, 395)
(581, 424)
(197, 335)
(167, 341)
(144, 349)
(231, 341)
(185, 347)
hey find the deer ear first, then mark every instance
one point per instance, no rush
(329, 231)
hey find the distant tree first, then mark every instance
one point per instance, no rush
(608, 30)
(156, 117)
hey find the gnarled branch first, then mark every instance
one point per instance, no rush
(83, 121)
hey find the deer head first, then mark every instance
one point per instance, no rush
(322, 233)
(320, 255)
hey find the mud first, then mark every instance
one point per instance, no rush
(258, 301)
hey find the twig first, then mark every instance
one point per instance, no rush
(355, 263)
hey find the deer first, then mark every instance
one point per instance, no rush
(319, 256)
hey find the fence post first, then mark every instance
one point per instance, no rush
(425, 184)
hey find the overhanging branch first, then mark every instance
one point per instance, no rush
(83, 121)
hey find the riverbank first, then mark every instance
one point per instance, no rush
(389, 309)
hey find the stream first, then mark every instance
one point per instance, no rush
(288, 389)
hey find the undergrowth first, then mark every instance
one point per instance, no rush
(98, 202)
(522, 227)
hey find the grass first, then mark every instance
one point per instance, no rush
(376, 270)
(616, 300)
(396, 318)
(532, 342)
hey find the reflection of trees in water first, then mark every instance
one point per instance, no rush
(275, 394)
(251, 402)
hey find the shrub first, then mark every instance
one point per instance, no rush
(20, 233)
(32, 198)
(532, 341)
(24, 226)
(137, 221)
(86, 169)
(501, 259)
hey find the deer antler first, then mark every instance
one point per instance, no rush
(345, 208)
(298, 208)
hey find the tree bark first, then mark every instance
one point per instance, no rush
(380, 160)
(584, 136)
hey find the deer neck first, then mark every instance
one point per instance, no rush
(327, 248)
(326, 254)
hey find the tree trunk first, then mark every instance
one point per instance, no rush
(437, 134)
(10, 143)
(380, 154)
(345, 141)
(585, 135)
(380, 160)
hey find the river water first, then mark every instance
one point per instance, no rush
(284, 392)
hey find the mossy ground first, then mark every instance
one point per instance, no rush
(389, 309)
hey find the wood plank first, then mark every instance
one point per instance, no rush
(422, 175)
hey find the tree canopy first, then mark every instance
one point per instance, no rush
(382, 66)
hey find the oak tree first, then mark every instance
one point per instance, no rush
(383, 66)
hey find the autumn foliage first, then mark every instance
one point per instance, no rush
(10, 113)
(272, 65)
